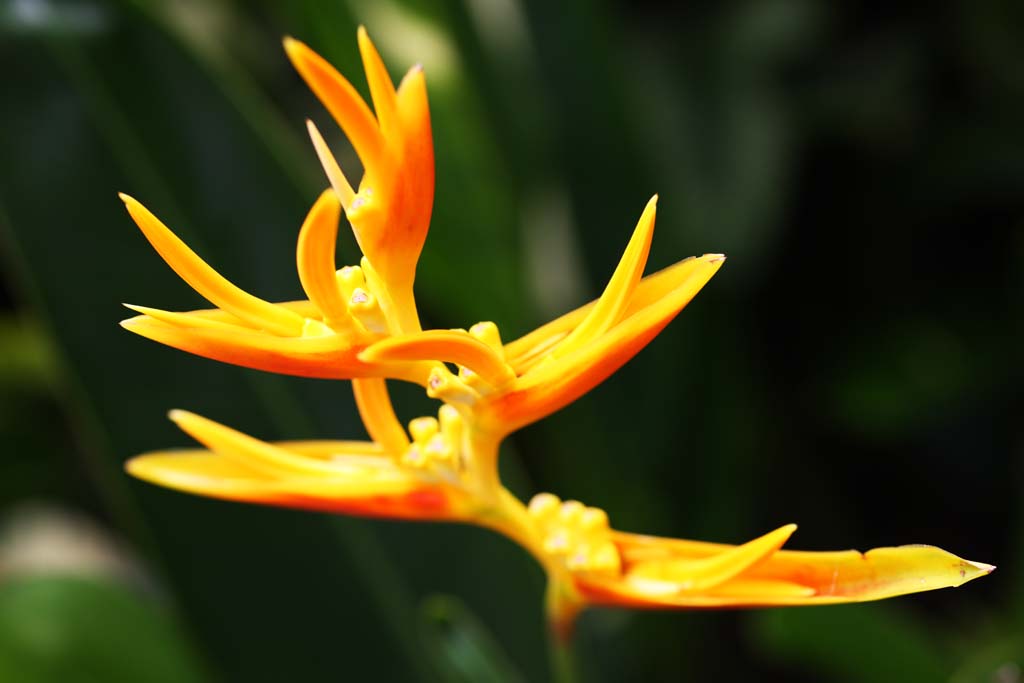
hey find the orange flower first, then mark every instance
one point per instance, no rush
(360, 323)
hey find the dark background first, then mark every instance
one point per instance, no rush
(855, 367)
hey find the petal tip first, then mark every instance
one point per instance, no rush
(177, 415)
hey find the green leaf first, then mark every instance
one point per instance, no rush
(463, 649)
(852, 643)
(55, 629)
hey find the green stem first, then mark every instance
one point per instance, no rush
(560, 652)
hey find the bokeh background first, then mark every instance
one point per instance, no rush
(855, 367)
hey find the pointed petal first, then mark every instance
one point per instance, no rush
(612, 304)
(315, 261)
(330, 165)
(382, 90)
(374, 404)
(208, 282)
(552, 386)
(185, 319)
(341, 99)
(370, 486)
(329, 356)
(689, 574)
(525, 350)
(825, 577)
(450, 346)
(248, 451)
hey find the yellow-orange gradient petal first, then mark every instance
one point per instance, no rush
(781, 578)
(551, 386)
(328, 356)
(331, 476)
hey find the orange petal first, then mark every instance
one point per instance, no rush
(449, 346)
(327, 357)
(369, 486)
(315, 261)
(382, 90)
(552, 386)
(341, 99)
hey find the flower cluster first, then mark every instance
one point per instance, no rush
(360, 323)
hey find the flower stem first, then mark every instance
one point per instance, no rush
(563, 661)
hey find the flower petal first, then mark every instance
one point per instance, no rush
(315, 261)
(329, 356)
(610, 307)
(449, 346)
(524, 352)
(341, 99)
(552, 386)
(784, 577)
(207, 281)
(696, 574)
(340, 476)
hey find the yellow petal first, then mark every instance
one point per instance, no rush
(374, 404)
(208, 282)
(612, 304)
(450, 346)
(525, 351)
(330, 165)
(689, 574)
(366, 484)
(825, 577)
(551, 386)
(315, 261)
(341, 99)
(246, 450)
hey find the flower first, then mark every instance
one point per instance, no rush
(600, 566)
(360, 323)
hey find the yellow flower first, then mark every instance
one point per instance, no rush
(360, 323)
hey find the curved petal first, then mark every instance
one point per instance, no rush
(328, 356)
(783, 578)
(333, 476)
(547, 388)
(523, 352)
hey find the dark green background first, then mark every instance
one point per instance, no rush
(855, 367)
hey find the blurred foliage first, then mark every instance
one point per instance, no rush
(855, 367)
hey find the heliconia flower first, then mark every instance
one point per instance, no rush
(423, 478)
(613, 568)
(507, 387)
(360, 323)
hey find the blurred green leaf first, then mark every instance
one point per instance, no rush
(57, 629)
(462, 648)
(853, 644)
(30, 362)
(1000, 660)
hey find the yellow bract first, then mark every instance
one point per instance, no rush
(360, 323)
